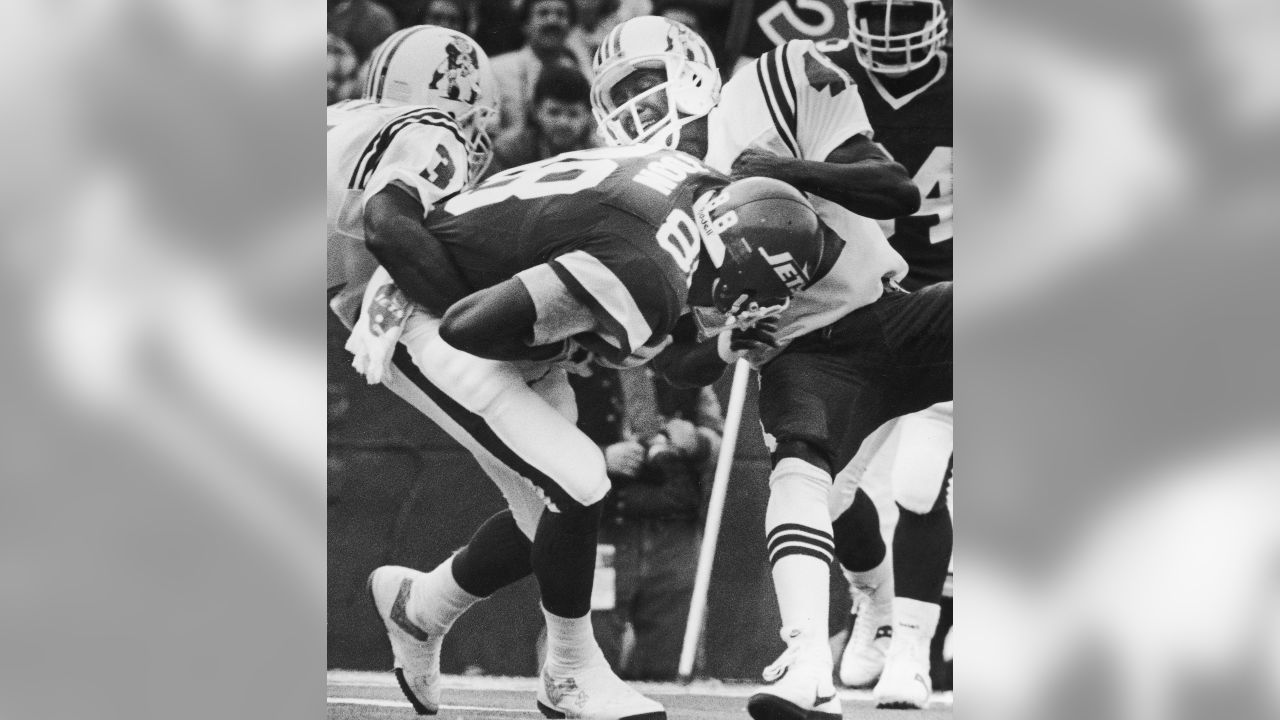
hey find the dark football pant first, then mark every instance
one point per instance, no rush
(833, 387)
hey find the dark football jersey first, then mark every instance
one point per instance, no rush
(912, 120)
(614, 224)
(777, 21)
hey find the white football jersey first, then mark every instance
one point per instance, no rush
(779, 103)
(371, 146)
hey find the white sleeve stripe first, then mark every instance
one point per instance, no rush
(381, 140)
(771, 88)
(611, 294)
(559, 315)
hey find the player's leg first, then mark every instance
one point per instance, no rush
(861, 489)
(922, 551)
(524, 420)
(521, 429)
(806, 392)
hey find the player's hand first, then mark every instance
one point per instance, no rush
(683, 436)
(576, 359)
(757, 337)
(624, 458)
(754, 162)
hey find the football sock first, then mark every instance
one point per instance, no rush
(800, 546)
(437, 600)
(858, 543)
(921, 551)
(564, 559)
(914, 623)
(497, 555)
(571, 643)
(877, 583)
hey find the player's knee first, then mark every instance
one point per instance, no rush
(584, 480)
(804, 450)
(917, 495)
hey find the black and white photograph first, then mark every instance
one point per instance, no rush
(632, 395)
(640, 359)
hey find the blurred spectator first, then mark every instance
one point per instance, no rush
(595, 19)
(363, 23)
(559, 120)
(343, 82)
(708, 24)
(684, 14)
(497, 29)
(452, 14)
(546, 25)
(659, 443)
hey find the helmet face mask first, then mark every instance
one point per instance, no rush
(441, 68)
(893, 37)
(687, 88)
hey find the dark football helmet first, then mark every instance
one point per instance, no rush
(765, 239)
(896, 36)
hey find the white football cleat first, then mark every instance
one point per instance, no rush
(416, 653)
(863, 658)
(905, 683)
(594, 693)
(800, 686)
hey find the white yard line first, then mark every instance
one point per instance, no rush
(374, 702)
(712, 688)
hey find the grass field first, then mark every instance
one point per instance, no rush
(375, 696)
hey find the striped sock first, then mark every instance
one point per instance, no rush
(800, 545)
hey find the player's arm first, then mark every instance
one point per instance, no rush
(497, 323)
(416, 260)
(532, 316)
(857, 175)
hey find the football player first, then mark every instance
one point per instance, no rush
(480, 309)
(412, 139)
(853, 351)
(898, 56)
(586, 255)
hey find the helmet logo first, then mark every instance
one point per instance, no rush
(784, 266)
(676, 41)
(457, 78)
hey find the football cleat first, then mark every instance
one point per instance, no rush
(869, 639)
(905, 683)
(593, 693)
(800, 686)
(416, 653)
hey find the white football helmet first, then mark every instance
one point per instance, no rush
(691, 89)
(896, 36)
(444, 69)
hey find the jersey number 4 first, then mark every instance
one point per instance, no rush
(934, 178)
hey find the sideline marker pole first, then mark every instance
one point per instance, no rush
(715, 509)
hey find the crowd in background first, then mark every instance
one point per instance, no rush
(541, 52)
